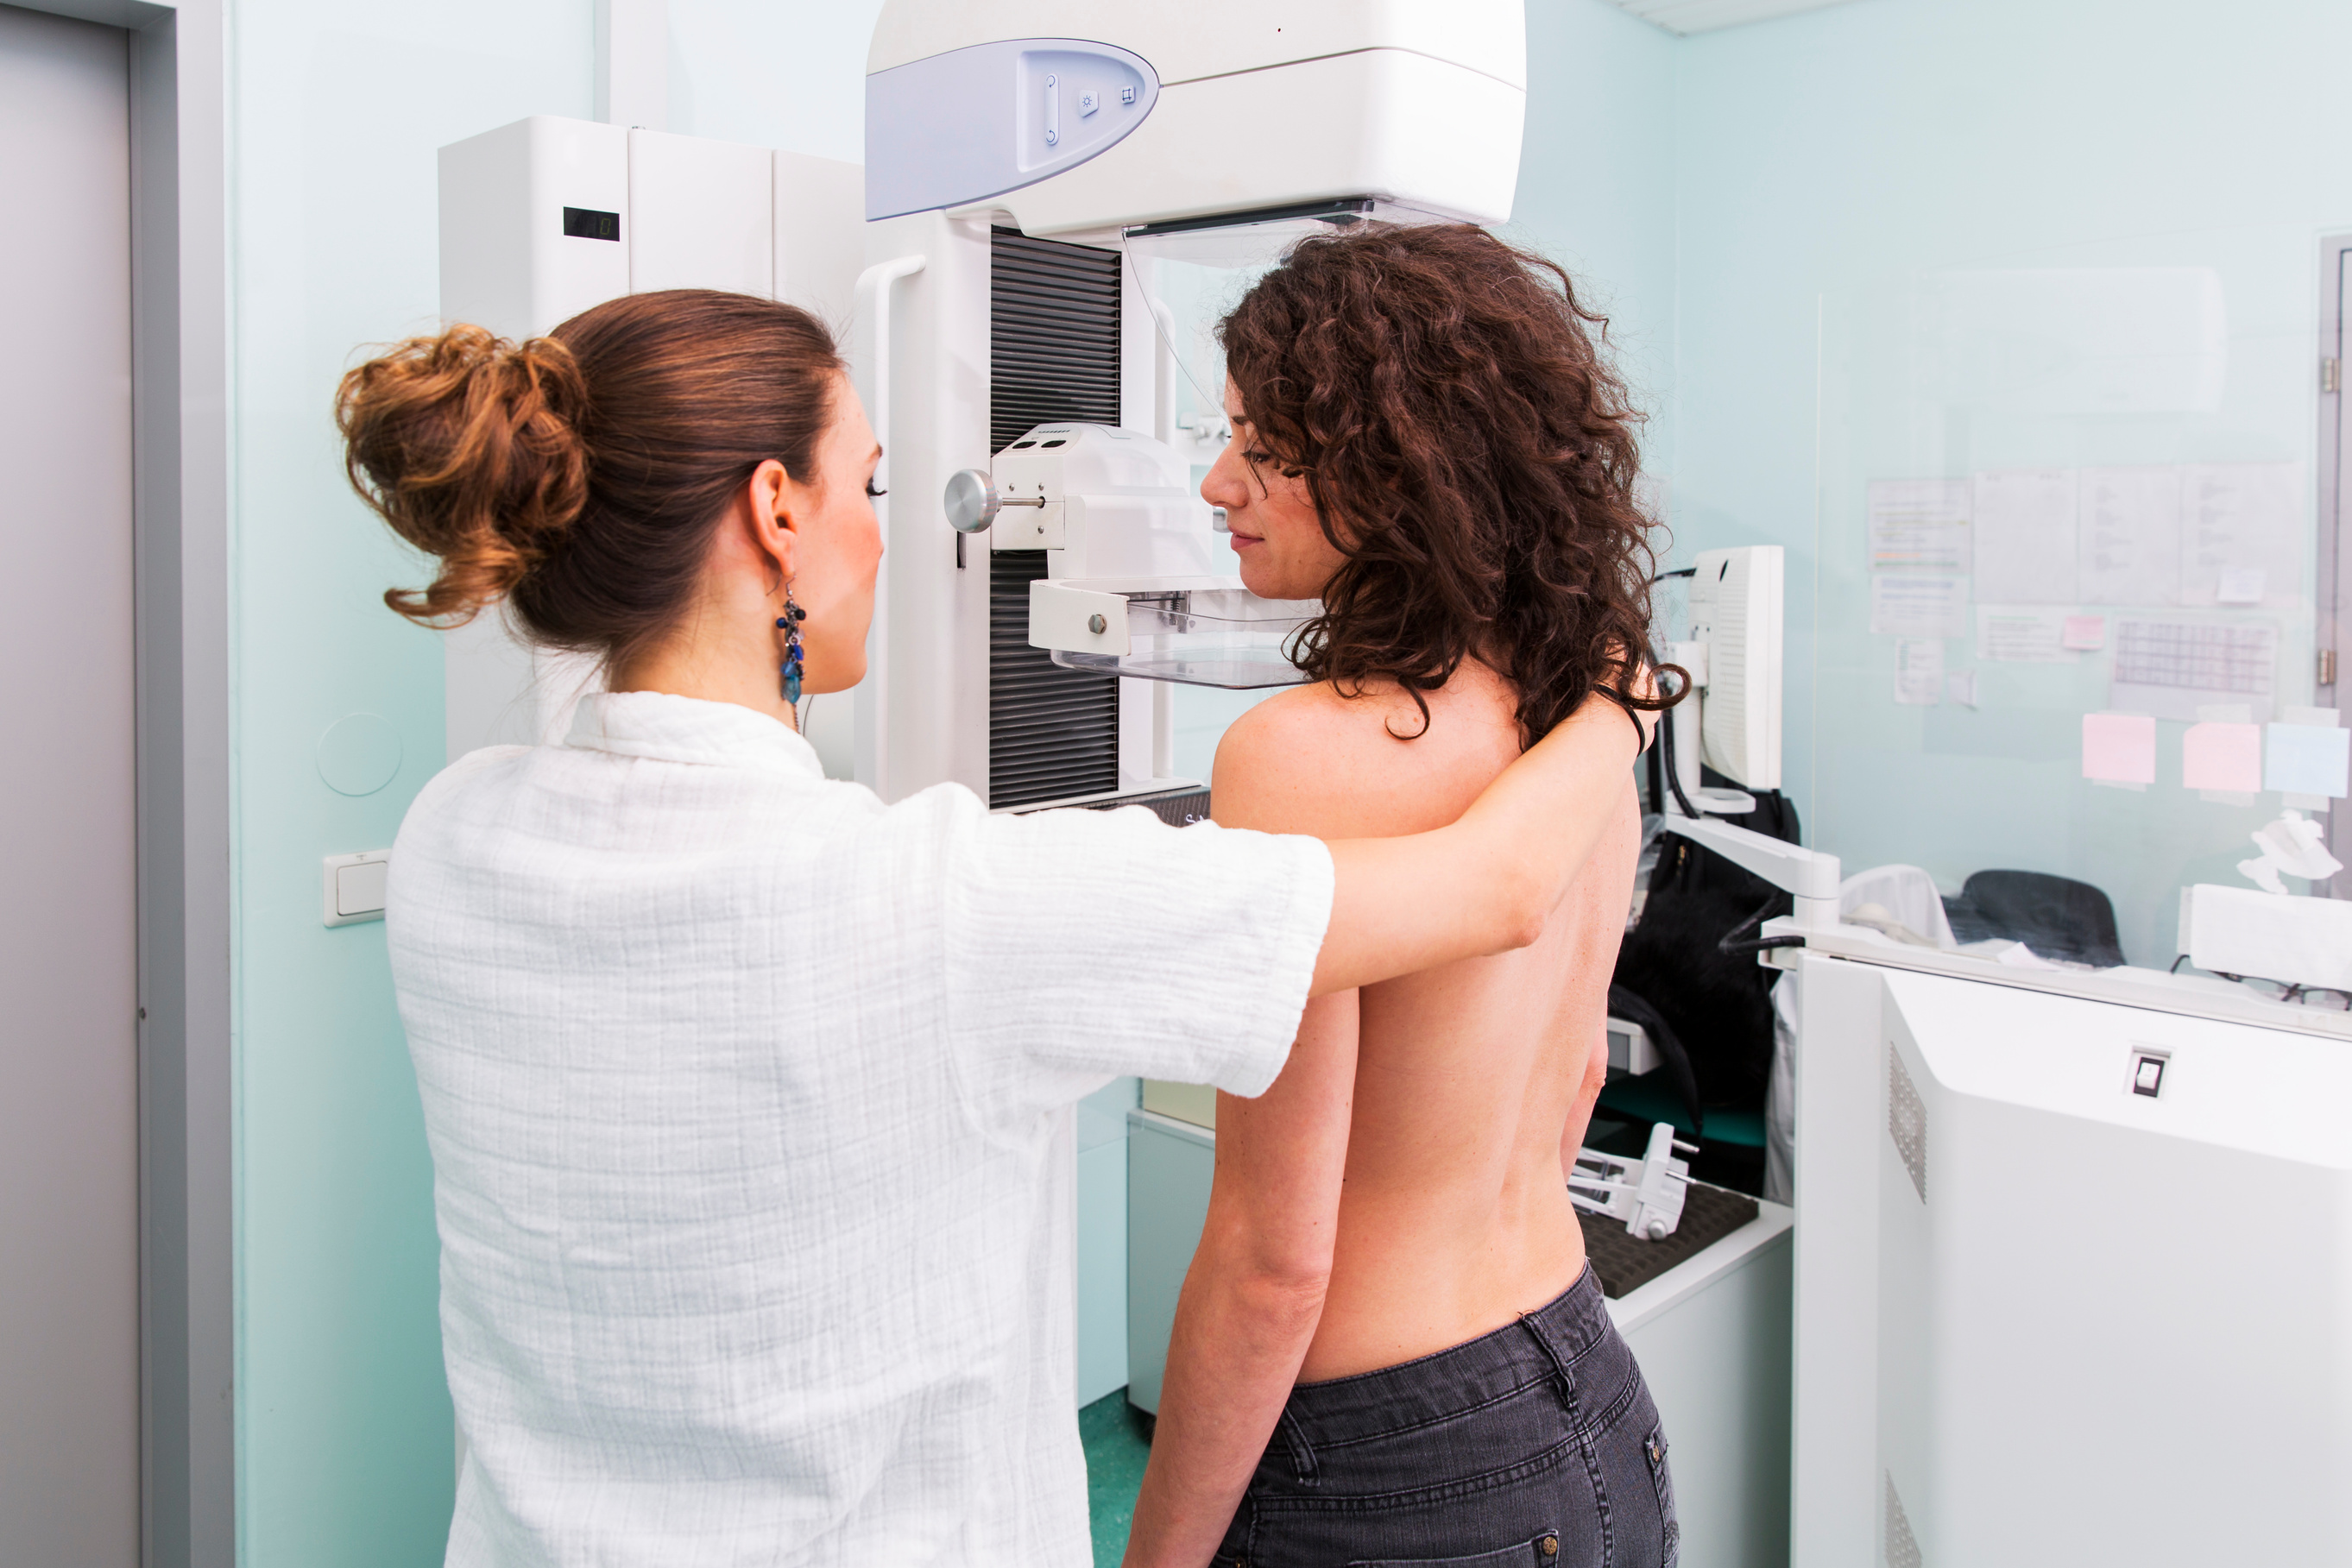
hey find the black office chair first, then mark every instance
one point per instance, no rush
(2055, 916)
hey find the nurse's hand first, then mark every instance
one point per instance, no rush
(1489, 882)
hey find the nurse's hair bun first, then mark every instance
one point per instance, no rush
(581, 477)
(470, 446)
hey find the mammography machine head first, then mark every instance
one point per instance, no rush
(1078, 118)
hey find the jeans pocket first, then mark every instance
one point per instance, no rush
(1653, 1448)
(1543, 1552)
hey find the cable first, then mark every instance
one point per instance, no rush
(1728, 942)
(1667, 752)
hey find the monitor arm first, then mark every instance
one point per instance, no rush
(1808, 876)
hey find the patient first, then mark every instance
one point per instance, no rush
(1388, 1348)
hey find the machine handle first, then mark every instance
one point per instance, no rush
(973, 503)
(869, 362)
(1164, 373)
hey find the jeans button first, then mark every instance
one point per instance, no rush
(1551, 1545)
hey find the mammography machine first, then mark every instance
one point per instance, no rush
(1063, 199)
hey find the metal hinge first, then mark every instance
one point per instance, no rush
(2331, 375)
(2327, 666)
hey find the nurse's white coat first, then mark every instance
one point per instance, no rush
(747, 1098)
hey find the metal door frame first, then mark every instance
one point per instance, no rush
(180, 414)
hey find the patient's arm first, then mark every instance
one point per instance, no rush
(1254, 1292)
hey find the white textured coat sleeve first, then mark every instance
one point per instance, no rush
(1085, 946)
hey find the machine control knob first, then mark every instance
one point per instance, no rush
(973, 502)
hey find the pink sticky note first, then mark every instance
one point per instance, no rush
(2084, 633)
(2222, 756)
(2119, 748)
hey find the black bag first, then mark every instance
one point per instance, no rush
(1717, 1004)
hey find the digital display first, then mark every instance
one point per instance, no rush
(587, 223)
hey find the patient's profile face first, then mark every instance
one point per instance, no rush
(1277, 539)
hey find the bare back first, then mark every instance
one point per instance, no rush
(1452, 1217)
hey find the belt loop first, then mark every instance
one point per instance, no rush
(1541, 1333)
(1302, 1452)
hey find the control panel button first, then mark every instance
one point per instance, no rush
(1088, 101)
(2148, 1073)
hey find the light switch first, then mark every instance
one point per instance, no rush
(2147, 1073)
(355, 886)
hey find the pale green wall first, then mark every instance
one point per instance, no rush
(1597, 186)
(344, 1449)
(1823, 164)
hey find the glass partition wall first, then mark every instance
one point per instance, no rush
(2067, 576)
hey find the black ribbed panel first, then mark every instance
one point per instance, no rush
(1053, 336)
(1051, 732)
(1053, 355)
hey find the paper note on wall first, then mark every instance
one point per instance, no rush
(2222, 756)
(2120, 748)
(2171, 668)
(1960, 685)
(2023, 524)
(2128, 537)
(1919, 524)
(2242, 534)
(2242, 585)
(1919, 672)
(2012, 636)
(1914, 604)
(2306, 759)
(2084, 633)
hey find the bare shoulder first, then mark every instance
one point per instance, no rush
(1312, 761)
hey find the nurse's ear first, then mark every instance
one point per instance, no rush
(766, 509)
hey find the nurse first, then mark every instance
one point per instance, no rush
(746, 1091)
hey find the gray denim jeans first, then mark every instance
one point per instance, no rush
(1533, 1446)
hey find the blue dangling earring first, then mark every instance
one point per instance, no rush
(789, 623)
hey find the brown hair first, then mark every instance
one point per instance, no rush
(1468, 450)
(581, 476)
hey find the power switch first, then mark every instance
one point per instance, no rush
(2147, 1073)
(355, 884)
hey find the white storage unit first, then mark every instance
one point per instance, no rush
(2059, 1308)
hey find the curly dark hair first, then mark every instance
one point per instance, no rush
(1471, 452)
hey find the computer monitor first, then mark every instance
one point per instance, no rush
(1736, 598)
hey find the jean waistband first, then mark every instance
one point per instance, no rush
(1548, 1342)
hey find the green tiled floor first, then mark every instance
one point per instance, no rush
(1115, 1451)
